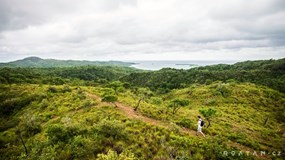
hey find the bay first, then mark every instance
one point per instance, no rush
(157, 65)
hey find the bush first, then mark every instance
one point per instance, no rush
(185, 122)
(44, 104)
(66, 88)
(32, 127)
(109, 98)
(224, 90)
(8, 124)
(87, 104)
(210, 102)
(57, 133)
(79, 146)
(156, 100)
(8, 107)
(52, 89)
(80, 94)
(112, 155)
(111, 128)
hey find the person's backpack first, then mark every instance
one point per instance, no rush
(202, 123)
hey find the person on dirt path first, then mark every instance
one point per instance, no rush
(200, 125)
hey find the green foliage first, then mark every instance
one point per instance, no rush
(177, 103)
(69, 75)
(66, 88)
(52, 89)
(111, 128)
(49, 63)
(10, 106)
(156, 100)
(208, 112)
(58, 121)
(185, 122)
(266, 72)
(112, 155)
(143, 94)
(87, 104)
(223, 89)
(57, 133)
(116, 86)
(109, 98)
(31, 125)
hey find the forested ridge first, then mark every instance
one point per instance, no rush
(118, 112)
(264, 72)
(37, 62)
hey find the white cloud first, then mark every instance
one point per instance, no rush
(142, 29)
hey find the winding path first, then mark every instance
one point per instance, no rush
(130, 113)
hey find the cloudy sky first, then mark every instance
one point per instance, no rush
(142, 29)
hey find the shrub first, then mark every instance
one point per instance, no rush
(44, 104)
(32, 126)
(57, 133)
(210, 102)
(224, 90)
(80, 94)
(52, 89)
(109, 98)
(66, 88)
(10, 106)
(79, 146)
(112, 155)
(156, 100)
(177, 103)
(8, 124)
(111, 128)
(185, 122)
(87, 104)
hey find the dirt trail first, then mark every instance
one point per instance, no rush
(130, 113)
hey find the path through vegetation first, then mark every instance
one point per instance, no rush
(130, 113)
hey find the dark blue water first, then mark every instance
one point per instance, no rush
(157, 65)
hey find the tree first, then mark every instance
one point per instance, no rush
(176, 104)
(208, 114)
(18, 132)
(142, 93)
(116, 86)
(110, 98)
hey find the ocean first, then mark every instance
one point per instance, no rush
(157, 65)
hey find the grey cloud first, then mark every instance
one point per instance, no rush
(104, 28)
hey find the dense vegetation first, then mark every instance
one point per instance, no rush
(95, 112)
(72, 75)
(270, 73)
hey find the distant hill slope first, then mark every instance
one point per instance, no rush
(270, 73)
(61, 75)
(37, 62)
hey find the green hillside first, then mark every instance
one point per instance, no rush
(37, 62)
(270, 73)
(120, 113)
(83, 75)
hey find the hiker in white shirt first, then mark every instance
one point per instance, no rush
(199, 130)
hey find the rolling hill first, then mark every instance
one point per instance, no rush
(36, 62)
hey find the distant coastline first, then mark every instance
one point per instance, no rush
(157, 65)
